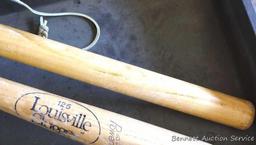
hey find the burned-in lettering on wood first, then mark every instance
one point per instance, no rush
(64, 116)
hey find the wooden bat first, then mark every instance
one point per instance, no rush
(81, 122)
(124, 78)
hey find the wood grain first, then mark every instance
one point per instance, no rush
(81, 122)
(124, 78)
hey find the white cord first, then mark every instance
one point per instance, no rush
(43, 28)
(43, 23)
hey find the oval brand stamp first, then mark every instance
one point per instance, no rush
(60, 115)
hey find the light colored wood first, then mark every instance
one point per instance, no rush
(124, 78)
(93, 126)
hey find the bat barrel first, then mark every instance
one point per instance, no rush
(124, 78)
(81, 122)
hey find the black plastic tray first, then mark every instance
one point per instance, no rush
(205, 42)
